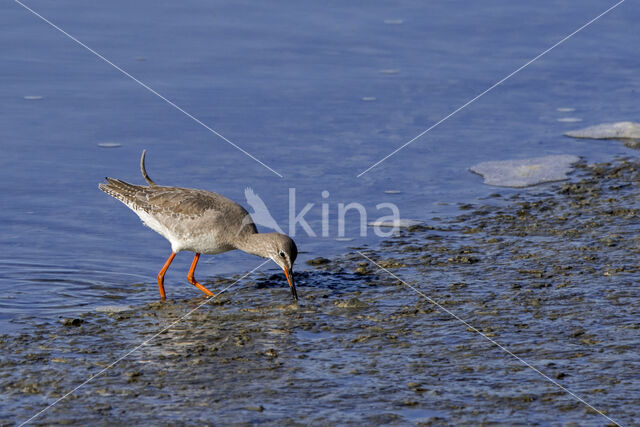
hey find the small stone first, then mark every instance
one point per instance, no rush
(464, 259)
(318, 261)
(361, 270)
(416, 387)
(577, 333)
(72, 322)
(132, 376)
(534, 302)
(31, 389)
(391, 263)
(458, 285)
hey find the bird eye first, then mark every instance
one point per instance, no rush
(282, 254)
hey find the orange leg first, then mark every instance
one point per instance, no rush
(161, 275)
(193, 280)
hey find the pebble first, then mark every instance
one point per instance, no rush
(72, 322)
(318, 261)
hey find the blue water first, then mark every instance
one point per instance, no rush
(286, 82)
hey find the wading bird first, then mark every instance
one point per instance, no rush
(202, 222)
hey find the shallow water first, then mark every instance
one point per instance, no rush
(293, 85)
(361, 346)
(286, 83)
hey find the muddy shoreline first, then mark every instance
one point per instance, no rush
(551, 273)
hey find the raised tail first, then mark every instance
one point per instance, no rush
(123, 191)
(144, 170)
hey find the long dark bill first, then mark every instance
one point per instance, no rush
(292, 283)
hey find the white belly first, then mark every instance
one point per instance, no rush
(185, 235)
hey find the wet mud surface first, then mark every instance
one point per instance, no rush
(550, 273)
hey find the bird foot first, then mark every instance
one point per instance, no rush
(195, 283)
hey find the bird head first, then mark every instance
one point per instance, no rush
(283, 251)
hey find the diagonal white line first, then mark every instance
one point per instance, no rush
(491, 340)
(147, 87)
(463, 106)
(138, 347)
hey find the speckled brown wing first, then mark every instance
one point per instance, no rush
(181, 201)
(159, 199)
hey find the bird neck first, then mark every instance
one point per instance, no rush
(255, 244)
